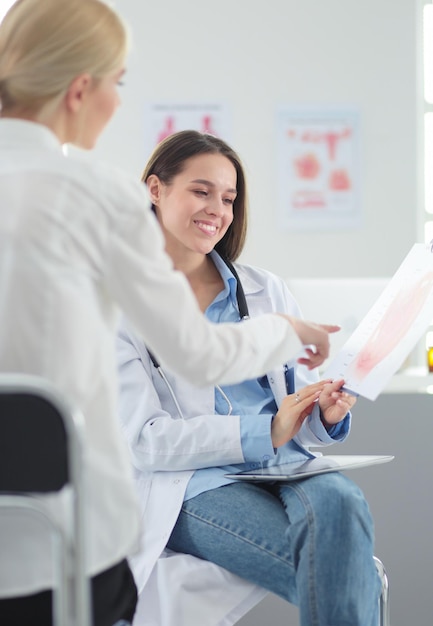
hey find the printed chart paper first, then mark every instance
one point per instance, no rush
(391, 328)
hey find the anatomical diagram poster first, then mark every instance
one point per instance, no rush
(165, 118)
(391, 328)
(318, 168)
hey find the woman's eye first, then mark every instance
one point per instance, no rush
(229, 201)
(201, 192)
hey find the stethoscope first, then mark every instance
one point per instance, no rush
(243, 315)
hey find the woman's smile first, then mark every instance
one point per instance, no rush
(206, 227)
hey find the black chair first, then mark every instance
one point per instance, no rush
(40, 453)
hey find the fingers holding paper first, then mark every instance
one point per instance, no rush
(335, 403)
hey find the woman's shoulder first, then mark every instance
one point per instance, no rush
(260, 282)
(261, 275)
(99, 172)
(119, 194)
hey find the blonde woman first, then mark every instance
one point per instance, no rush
(76, 242)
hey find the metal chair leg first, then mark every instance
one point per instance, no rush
(384, 618)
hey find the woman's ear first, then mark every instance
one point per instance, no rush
(154, 187)
(77, 92)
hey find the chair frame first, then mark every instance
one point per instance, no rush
(66, 557)
(384, 613)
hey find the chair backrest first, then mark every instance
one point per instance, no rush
(41, 445)
(27, 418)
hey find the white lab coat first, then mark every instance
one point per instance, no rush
(178, 589)
(77, 241)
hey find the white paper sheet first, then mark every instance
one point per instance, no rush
(391, 328)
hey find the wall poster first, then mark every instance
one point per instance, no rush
(318, 168)
(165, 118)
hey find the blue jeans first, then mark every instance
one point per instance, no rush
(310, 542)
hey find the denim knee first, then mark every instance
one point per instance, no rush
(332, 501)
(347, 504)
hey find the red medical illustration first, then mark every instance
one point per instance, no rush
(339, 180)
(307, 166)
(207, 125)
(306, 199)
(392, 328)
(168, 129)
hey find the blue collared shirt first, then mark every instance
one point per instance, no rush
(252, 400)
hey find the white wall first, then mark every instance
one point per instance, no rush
(256, 56)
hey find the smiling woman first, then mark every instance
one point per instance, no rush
(172, 156)
(198, 209)
(184, 440)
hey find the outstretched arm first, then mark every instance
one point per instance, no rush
(163, 309)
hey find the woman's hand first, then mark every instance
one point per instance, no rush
(293, 411)
(316, 335)
(334, 404)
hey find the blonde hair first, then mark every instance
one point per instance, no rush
(45, 44)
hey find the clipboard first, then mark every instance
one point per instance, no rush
(391, 328)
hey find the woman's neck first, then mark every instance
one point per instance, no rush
(48, 115)
(202, 275)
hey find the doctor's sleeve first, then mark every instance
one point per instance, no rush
(161, 306)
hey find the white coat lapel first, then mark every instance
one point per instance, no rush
(277, 383)
(259, 301)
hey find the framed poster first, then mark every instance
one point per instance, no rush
(165, 118)
(318, 168)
